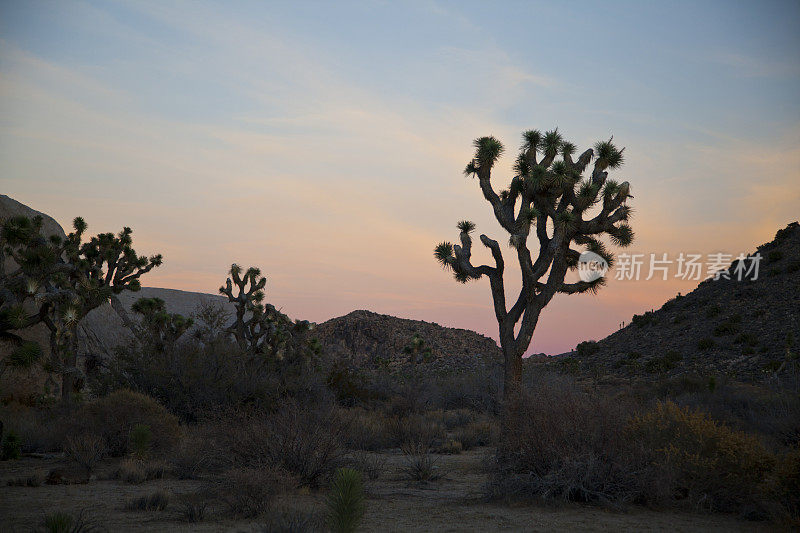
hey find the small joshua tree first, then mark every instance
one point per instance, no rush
(64, 279)
(159, 328)
(415, 348)
(550, 197)
(258, 328)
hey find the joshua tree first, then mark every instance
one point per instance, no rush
(550, 196)
(159, 328)
(258, 328)
(62, 280)
(416, 347)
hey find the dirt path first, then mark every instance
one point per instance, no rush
(394, 503)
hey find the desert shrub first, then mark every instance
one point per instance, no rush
(349, 385)
(713, 310)
(65, 522)
(291, 521)
(34, 480)
(157, 501)
(372, 465)
(346, 503)
(366, 430)
(85, 450)
(587, 348)
(450, 447)
(478, 433)
(192, 377)
(782, 488)
(250, 492)
(303, 441)
(193, 512)
(419, 464)
(12, 447)
(774, 256)
(706, 463)
(414, 429)
(646, 319)
(793, 266)
(562, 444)
(131, 470)
(747, 339)
(569, 365)
(705, 344)
(114, 416)
(39, 429)
(140, 439)
(664, 363)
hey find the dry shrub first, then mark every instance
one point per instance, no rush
(131, 470)
(250, 492)
(414, 429)
(372, 465)
(367, 430)
(706, 463)
(782, 489)
(560, 444)
(419, 465)
(306, 442)
(478, 433)
(85, 450)
(114, 416)
(40, 430)
(450, 447)
(156, 501)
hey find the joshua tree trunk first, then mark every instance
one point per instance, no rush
(553, 198)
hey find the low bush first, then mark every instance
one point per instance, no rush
(65, 522)
(157, 501)
(193, 512)
(415, 429)
(478, 433)
(250, 492)
(562, 444)
(706, 463)
(85, 450)
(705, 344)
(305, 442)
(419, 465)
(366, 430)
(114, 417)
(12, 447)
(372, 465)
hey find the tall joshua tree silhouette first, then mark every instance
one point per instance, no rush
(568, 213)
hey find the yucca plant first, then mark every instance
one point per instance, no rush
(549, 198)
(346, 501)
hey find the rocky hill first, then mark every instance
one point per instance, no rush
(371, 339)
(744, 329)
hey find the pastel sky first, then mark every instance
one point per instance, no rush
(324, 141)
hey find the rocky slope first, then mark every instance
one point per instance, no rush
(743, 329)
(371, 339)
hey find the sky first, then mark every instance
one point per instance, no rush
(325, 141)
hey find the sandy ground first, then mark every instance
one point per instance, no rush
(452, 503)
